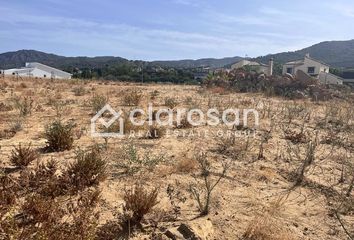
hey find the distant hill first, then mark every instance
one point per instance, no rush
(335, 53)
(205, 62)
(19, 58)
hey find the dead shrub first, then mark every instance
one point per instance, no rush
(37, 209)
(296, 137)
(8, 195)
(306, 158)
(154, 94)
(79, 91)
(139, 201)
(132, 98)
(171, 103)
(266, 228)
(98, 102)
(42, 179)
(89, 169)
(5, 108)
(22, 156)
(48, 218)
(202, 189)
(24, 105)
(186, 165)
(22, 85)
(60, 136)
(176, 198)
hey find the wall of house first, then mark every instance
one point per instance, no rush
(19, 72)
(286, 66)
(36, 72)
(263, 69)
(328, 78)
(53, 72)
(308, 62)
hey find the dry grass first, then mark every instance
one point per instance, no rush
(139, 201)
(132, 98)
(23, 156)
(65, 182)
(267, 228)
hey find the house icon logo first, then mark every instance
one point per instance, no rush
(98, 119)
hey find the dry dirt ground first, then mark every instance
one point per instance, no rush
(256, 199)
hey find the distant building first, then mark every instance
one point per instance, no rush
(314, 68)
(201, 73)
(34, 69)
(308, 65)
(254, 66)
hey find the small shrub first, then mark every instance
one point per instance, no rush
(186, 165)
(79, 91)
(8, 196)
(266, 228)
(132, 98)
(16, 125)
(171, 103)
(23, 156)
(98, 102)
(201, 191)
(131, 162)
(59, 136)
(296, 137)
(89, 169)
(139, 202)
(42, 180)
(24, 105)
(37, 209)
(5, 108)
(154, 94)
(176, 198)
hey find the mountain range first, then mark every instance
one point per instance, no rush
(339, 54)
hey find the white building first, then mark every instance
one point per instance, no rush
(34, 69)
(254, 66)
(314, 68)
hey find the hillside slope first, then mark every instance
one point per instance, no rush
(334, 53)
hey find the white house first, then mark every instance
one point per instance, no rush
(308, 65)
(34, 69)
(314, 68)
(255, 66)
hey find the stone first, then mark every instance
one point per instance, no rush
(200, 229)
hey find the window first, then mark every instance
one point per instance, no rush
(289, 70)
(44, 75)
(311, 70)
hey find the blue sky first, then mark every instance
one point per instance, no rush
(172, 29)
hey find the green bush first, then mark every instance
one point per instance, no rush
(60, 136)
